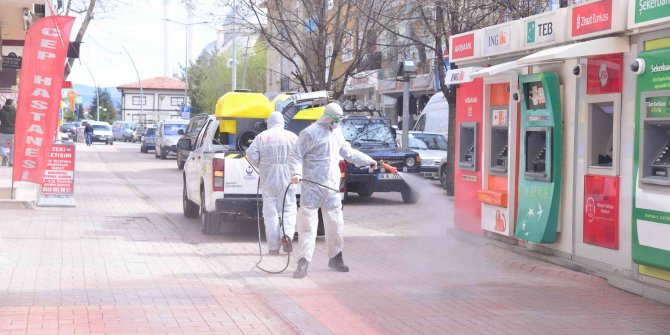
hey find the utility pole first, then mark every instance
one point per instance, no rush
(234, 79)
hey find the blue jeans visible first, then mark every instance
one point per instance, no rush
(4, 138)
(88, 139)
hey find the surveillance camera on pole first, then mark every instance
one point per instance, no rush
(406, 69)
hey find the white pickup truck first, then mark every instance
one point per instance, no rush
(217, 177)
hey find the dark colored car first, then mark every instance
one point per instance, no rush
(191, 132)
(148, 141)
(374, 136)
(70, 129)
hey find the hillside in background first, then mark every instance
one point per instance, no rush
(88, 94)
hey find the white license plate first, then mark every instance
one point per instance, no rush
(388, 176)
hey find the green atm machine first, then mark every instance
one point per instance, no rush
(651, 212)
(540, 158)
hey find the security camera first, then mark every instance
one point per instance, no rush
(515, 96)
(577, 70)
(638, 66)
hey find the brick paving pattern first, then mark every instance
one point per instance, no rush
(126, 261)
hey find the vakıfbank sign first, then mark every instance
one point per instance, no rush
(647, 10)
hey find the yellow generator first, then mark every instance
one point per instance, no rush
(242, 115)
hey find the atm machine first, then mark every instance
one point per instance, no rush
(540, 158)
(498, 193)
(651, 212)
(467, 174)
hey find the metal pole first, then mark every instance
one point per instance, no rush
(234, 80)
(405, 111)
(244, 69)
(138, 80)
(186, 70)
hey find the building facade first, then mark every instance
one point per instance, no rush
(159, 98)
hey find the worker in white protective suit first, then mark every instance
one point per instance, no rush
(315, 159)
(269, 153)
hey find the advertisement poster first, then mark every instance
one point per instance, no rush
(59, 174)
(601, 211)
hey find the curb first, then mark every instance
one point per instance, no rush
(16, 204)
(575, 271)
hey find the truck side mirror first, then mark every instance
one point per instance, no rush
(184, 144)
(180, 132)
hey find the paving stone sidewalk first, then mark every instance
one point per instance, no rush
(125, 261)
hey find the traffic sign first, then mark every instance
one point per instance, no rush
(185, 112)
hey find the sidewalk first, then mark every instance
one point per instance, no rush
(126, 261)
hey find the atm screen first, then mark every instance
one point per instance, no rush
(535, 98)
(499, 149)
(663, 157)
(536, 151)
(467, 145)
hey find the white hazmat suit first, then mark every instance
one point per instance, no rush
(269, 153)
(316, 157)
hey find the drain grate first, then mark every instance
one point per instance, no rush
(127, 220)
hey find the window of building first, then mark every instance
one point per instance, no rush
(136, 101)
(177, 101)
(347, 47)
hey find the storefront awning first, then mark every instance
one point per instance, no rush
(496, 69)
(601, 46)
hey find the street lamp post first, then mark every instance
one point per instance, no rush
(187, 25)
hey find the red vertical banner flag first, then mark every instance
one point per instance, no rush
(44, 54)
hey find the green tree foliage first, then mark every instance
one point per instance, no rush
(210, 78)
(107, 109)
(70, 116)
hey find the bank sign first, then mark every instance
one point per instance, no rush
(540, 31)
(498, 40)
(647, 10)
(592, 17)
(462, 46)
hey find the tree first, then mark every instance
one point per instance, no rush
(107, 109)
(209, 77)
(325, 42)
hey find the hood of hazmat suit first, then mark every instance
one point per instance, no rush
(269, 153)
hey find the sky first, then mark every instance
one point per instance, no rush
(138, 26)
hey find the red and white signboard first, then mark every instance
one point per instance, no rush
(58, 182)
(463, 46)
(591, 18)
(604, 74)
(601, 211)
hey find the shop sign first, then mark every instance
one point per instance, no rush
(658, 107)
(362, 80)
(11, 61)
(498, 39)
(592, 17)
(603, 74)
(460, 75)
(463, 46)
(540, 31)
(647, 10)
(601, 211)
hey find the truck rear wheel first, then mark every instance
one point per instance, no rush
(211, 222)
(191, 209)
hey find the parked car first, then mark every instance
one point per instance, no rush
(195, 124)
(431, 147)
(102, 132)
(69, 130)
(139, 132)
(167, 137)
(148, 140)
(374, 136)
(123, 130)
(442, 172)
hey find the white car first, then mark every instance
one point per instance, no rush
(432, 148)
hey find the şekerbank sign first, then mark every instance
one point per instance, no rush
(647, 12)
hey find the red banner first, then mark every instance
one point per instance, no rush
(44, 54)
(601, 211)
